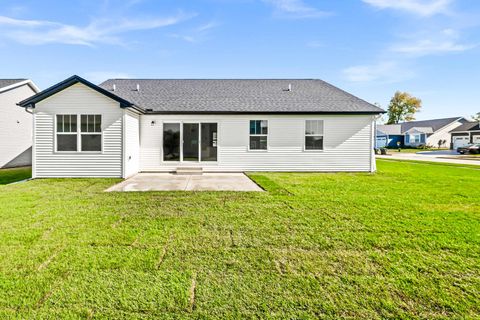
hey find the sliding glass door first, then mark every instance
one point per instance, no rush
(190, 142)
(171, 142)
(209, 141)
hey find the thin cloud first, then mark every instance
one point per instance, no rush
(295, 9)
(99, 31)
(418, 7)
(385, 71)
(197, 34)
(444, 42)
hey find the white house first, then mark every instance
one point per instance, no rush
(122, 127)
(15, 123)
(433, 133)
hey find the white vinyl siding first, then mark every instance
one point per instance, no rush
(347, 146)
(132, 143)
(78, 99)
(15, 128)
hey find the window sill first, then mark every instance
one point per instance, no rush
(78, 152)
(257, 150)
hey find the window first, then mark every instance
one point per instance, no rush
(258, 134)
(314, 135)
(69, 137)
(66, 132)
(91, 132)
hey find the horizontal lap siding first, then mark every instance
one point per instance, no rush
(347, 141)
(132, 143)
(78, 99)
(15, 128)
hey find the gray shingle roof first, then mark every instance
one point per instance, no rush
(238, 96)
(389, 129)
(427, 126)
(435, 124)
(467, 126)
(8, 82)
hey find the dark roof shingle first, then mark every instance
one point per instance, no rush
(467, 126)
(237, 96)
(435, 124)
(8, 82)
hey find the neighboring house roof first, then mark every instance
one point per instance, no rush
(423, 126)
(9, 84)
(427, 130)
(30, 102)
(468, 126)
(390, 129)
(435, 124)
(237, 96)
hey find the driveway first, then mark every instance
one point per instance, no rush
(174, 182)
(443, 156)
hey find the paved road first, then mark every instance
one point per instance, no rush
(432, 156)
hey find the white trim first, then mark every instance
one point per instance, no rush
(78, 133)
(19, 84)
(34, 145)
(199, 161)
(258, 135)
(124, 134)
(305, 135)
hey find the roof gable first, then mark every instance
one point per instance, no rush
(30, 102)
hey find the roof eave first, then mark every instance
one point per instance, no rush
(30, 102)
(267, 112)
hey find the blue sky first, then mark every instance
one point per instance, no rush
(370, 48)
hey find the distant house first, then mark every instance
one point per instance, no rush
(469, 132)
(126, 126)
(15, 123)
(432, 133)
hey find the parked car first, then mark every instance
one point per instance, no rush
(469, 148)
(464, 149)
(474, 148)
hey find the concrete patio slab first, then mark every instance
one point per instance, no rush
(173, 182)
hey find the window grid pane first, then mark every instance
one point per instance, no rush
(314, 142)
(91, 123)
(66, 142)
(91, 142)
(314, 127)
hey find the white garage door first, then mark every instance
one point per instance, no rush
(476, 139)
(381, 142)
(460, 142)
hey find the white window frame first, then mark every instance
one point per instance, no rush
(415, 136)
(258, 135)
(81, 133)
(181, 123)
(78, 133)
(313, 135)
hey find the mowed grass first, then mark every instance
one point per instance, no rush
(402, 243)
(15, 174)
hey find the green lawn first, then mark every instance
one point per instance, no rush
(15, 174)
(403, 243)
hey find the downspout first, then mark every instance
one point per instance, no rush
(34, 147)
